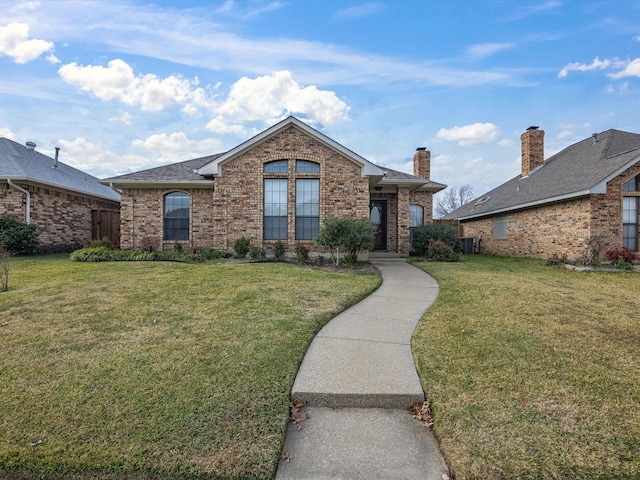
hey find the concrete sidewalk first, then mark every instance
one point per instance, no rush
(357, 380)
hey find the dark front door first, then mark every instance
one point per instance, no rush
(378, 216)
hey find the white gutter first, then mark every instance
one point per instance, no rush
(26, 192)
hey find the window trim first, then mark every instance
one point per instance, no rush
(301, 232)
(630, 242)
(267, 226)
(500, 226)
(169, 233)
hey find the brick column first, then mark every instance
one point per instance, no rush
(404, 220)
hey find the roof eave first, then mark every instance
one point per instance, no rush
(522, 206)
(22, 178)
(157, 183)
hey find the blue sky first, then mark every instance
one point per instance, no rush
(126, 85)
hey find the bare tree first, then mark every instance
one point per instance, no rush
(452, 198)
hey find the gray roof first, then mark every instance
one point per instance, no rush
(394, 177)
(199, 171)
(172, 174)
(18, 163)
(582, 169)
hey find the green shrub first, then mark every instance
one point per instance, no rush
(347, 233)
(279, 250)
(257, 253)
(178, 247)
(18, 238)
(302, 253)
(105, 242)
(438, 232)
(241, 247)
(211, 254)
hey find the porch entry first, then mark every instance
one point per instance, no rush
(378, 216)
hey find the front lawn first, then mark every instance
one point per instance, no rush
(533, 372)
(155, 370)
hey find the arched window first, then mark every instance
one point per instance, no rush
(305, 166)
(176, 216)
(278, 166)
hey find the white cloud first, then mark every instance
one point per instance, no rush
(505, 142)
(155, 150)
(482, 50)
(564, 134)
(597, 64)
(6, 133)
(125, 118)
(14, 43)
(270, 98)
(359, 11)
(118, 82)
(631, 69)
(177, 146)
(469, 135)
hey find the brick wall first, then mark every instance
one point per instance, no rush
(63, 218)
(235, 206)
(562, 228)
(142, 217)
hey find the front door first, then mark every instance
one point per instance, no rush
(378, 217)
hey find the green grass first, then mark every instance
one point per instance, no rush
(533, 372)
(155, 370)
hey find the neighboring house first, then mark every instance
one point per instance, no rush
(69, 207)
(277, 186)
(582, 199)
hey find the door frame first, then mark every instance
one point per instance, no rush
(383, 205)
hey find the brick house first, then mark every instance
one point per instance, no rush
(277, 186)
(69, 206)
(581, 200)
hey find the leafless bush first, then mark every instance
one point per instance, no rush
(593, 247)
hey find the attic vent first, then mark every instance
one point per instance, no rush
(595, 138)
(31, 145)
(481, 201)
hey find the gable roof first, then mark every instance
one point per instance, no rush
(18, 163)
(212, 168)
(581, 169)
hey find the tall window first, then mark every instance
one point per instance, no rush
(416, 213)
(500, 226)
(630, 216)
(307, 208)
(630, 222)
(275, 209)
(176, 216)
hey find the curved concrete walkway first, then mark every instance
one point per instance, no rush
(357, 380)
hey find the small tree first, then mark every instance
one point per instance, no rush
(348, 234)
(453, 198)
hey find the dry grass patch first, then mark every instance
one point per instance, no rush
(155, 370)
(533, 371)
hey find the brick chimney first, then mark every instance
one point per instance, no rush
(422, 163)
(532, 150)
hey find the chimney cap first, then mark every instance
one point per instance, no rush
(31, 145)
(533, 128)
(421, 149)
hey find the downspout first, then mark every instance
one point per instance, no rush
(28, 195)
